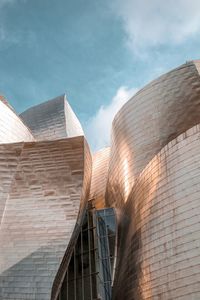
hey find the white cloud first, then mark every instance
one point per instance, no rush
(98, 128)
(151, 23)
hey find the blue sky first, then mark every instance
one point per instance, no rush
(97, 51)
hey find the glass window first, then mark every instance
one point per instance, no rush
(89, 274)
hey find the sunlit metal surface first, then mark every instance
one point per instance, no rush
(151, 176)
(53, 119)
(100, 161)
(158, 113)
(159, 250)
(44, 192)
(12, 129)
(41, 212)
(153, 181)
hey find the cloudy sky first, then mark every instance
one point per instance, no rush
(99, 52)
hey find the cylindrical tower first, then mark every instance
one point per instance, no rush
(158, 113)
(160, 253)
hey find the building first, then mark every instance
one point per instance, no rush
(120, 224)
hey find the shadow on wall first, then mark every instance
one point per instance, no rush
(135, 216)
(159, 249)
(25, 276)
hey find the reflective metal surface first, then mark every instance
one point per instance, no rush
(44, 191)
(157, 114)
(156, 192)
(39, 216)
(53, 119)
(151, 176)
(159, 251)
(12, 129)
(100, 161)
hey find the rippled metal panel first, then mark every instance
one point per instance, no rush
(9, 159)
(160, 241)
(81, 214)
(12, 129)
(46, 189)
(155, 115)
(52, 120)
(100, 161)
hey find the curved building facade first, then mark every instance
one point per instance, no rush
(12, 128)
(53, 119)
(145, 245)
(159, 251)
(157, 114)
(153, 181)
(100, 162)
(45, 188)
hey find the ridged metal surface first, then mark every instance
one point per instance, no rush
(152, 177)
(82, 208)
(159, 255)
(155, 115)
(12, 129)
(53, 119)
(46, 191)
(100, 161)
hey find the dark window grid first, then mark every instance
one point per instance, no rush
(101, 212)
(103, 256)
(74, 259)
(103, 247)
(80, 255)
(93, 229)
(106, 211)
(79, 277)
(104, 251)
(109, 211)
(82, 265)
(106, 275)
(107, 282)
(104, 235)
(101, 288)
(90, 228)
(106, 267)
(85, 252)
(107, 292)
(90, 267)
(67, 288)
(105, 230)
(104, 272)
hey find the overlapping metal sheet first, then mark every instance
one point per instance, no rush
(44, 192)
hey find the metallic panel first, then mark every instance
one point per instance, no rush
(12, 129)
(160, 240)
(52, 120)
(100, 161)
(82, 208)
(155, 115)
(46, 190)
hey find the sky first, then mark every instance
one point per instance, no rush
(98, 52)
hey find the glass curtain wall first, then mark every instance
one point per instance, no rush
(89, 274)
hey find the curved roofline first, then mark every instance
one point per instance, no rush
(61, 97)
(6, 103)
(154, 81)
